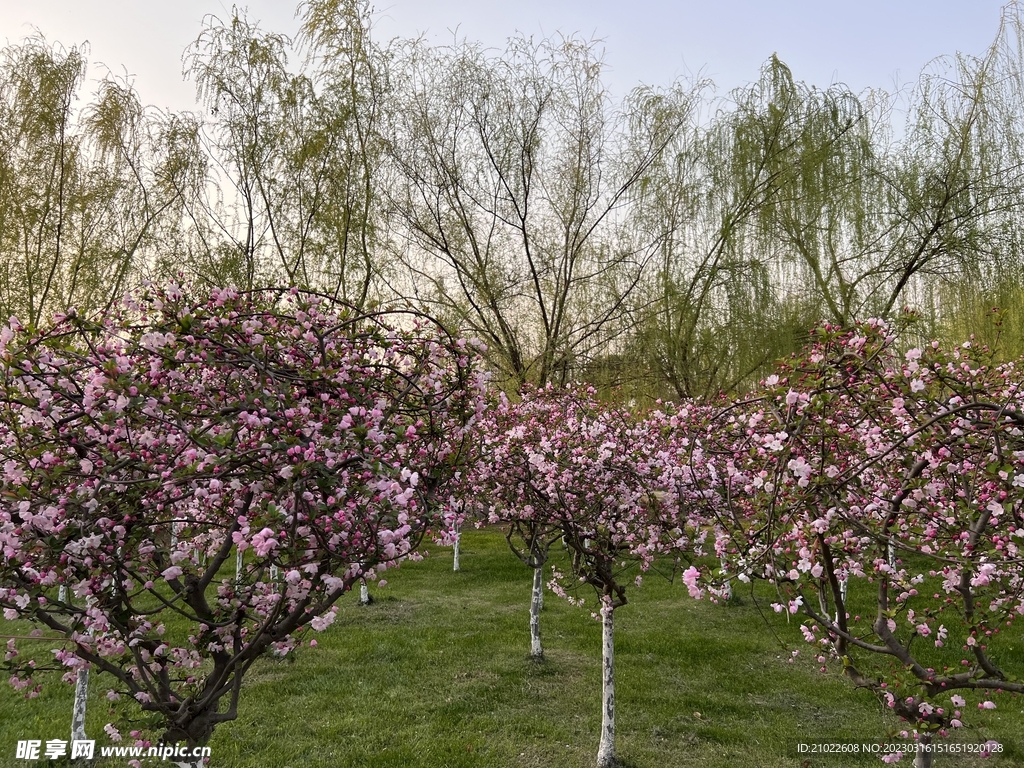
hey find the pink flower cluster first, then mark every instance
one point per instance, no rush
(860, 470)
(146, 453)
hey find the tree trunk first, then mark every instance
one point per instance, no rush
(844, 590)
(364, 593)
(78, 711)
(455, 551)
(727, 587)
(606, 749)
(536, 604)
(923, 758)
(193, 762)
(176, 740)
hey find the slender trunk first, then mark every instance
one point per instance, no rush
(78, 711)
(727, 587)
(844, 590)
(606, 749)
(536, 604)
(923, 758)
(364, 593)
(455, 551)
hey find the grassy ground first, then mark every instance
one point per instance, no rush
(434, 674)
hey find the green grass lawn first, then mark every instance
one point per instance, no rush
(435, 674)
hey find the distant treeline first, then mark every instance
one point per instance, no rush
(675, 242)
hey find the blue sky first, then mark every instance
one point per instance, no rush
(867, 43)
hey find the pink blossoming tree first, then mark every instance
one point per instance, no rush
(560, 462)
(883, 495)
(207, 479)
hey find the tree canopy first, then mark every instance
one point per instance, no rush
(672, 241)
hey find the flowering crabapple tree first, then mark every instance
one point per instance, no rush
(530, 540)
(529, 535)
(450, 533)
(560, 462)
(147, 453)
(528, 530)
(882, 493)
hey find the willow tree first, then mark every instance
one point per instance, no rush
(514, 174)
(702, 317)
(968, 151)
(797, 204)
(80, 190)
(870, 224)
(295, 149)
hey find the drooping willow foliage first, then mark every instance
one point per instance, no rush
(671, 242)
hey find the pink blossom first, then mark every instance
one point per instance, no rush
(164, 404)
(263, 542)
(983, 575)
(691, 577)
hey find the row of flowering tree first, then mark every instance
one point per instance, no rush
(882, 494)
(205, 479)
(188, 486)
(559, 466)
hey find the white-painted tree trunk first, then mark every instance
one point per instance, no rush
(62, 593)
(844, 590)
(78, 712)
(238, 567)
(536, 604)
(364, 593)
(727, 588)
(81, 693)
(455, 550)
(606, 749)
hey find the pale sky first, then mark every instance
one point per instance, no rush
(863, 43)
